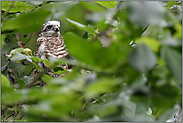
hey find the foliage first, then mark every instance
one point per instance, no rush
(127, 63)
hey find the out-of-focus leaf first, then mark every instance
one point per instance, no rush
(47, 62)
(4, 80)
(100, 86)
(89, 28)
(27, 23)
(171, 41)
(173, 60)
(46, 78)
(101, 25)
(170, 3)
(107, 4)
(98, 16)
(10, 95)
(18, 57)
(21, 83)
(78, 15)
(92, 6)
(178, 33)
(54, 106)
(15, 6)
(92, 53)
(34, 3)
(170, 113)
(57, 69)
(162, 98)
(2, 39)
(142, 58)
(151, 42)
(144, 13)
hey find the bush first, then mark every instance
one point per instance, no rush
(127, 63)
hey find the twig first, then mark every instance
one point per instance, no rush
(13, 112)
(29, 38)
(30, 72)
(39, 76)
(21, 44)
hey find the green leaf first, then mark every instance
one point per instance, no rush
(47, 62)
(92, 53)
(18, 57)
(21, 83)
(89, 28)
(2, 39)
(57, 69)
(10, 95)
(169, 114)
(12, 6)
(170, 3)
(102, 25)
(100, 86)
(4, 80)
(27, 22)
(173, 60)
(35, 59)
(142, 58)
(107, 4)
(46, 78)
(165, 97)
(152, 43)
(92, 6)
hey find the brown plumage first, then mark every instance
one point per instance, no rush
(50, 45)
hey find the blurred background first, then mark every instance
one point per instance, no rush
(128, 61)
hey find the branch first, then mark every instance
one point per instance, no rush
(19, 106)
(39, 76)
(21, 44)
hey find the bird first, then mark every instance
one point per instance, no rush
(50, 45)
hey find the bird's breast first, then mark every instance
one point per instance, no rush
(54, 47)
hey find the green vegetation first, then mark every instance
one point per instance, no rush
(127, 67)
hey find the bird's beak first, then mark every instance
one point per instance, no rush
(56, 28)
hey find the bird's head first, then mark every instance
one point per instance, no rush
(51, 28)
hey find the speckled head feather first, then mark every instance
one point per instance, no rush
(50, 28)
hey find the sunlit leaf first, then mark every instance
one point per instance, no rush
(153, 44)
(4, 80)
(100, 86)
(27, 23)
(15, 6)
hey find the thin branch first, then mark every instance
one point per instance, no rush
(29, 38)
(13, 112)
(21, 44)
(30, 72)
(39, 76)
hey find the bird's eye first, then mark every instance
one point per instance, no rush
(49, 27)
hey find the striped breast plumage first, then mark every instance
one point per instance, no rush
(50, 45)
